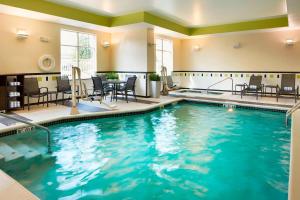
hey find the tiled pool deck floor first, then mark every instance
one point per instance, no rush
(249, 100)
(40, 114)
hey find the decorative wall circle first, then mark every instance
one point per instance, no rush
(46, 63)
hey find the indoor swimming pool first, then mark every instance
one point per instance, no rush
(184, 151)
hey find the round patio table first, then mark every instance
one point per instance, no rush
(115, 84)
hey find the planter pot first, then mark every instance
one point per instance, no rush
(155, 87)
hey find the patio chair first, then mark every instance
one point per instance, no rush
(128, 87)
(32, 90)
(63, 86)
(103, 77)
(255, 86)
(288, 86)
(128, 76)
(99, 88)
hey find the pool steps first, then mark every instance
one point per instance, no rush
(29, 152)
(9, 153)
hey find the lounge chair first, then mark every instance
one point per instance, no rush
(170, 83)
(128, 87)
(254, 86)
(288, 86)
(32, 90)
(63, 86)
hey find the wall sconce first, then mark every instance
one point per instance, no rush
(106, 44)
(237, 45)
(22, 34)
(289, 42)
(196, 48)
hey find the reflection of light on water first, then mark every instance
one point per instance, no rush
(77, 155)
(187, 144)
(160, 168)
(230, 109)
(165, 135)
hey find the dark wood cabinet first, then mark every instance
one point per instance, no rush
(11, 92)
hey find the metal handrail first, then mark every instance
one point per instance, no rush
(221, 82)
(34, 125)
(291, 111)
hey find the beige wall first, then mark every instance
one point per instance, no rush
(133, 50)
(21, 56)
(260, 51)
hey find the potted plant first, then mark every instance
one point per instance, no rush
(112, 76)
(155, 85)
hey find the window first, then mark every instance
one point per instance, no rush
(78, 49)
(164, 55)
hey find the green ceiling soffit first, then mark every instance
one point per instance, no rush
(127, 19)
(158, 21)
(76, 14)
(150, 19)
(58, 10)
(276, 22)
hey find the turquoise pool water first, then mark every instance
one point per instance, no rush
(186, 151)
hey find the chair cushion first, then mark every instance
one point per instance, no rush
(288, 89)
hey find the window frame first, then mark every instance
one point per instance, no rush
(78, 46)
(162, 51)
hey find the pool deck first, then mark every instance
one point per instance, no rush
(41, 115)
(10, 189)
(248, 100)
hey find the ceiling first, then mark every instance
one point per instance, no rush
(191, 13)
(178, 18)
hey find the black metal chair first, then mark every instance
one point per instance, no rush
(128, 76)
(128, 87)
(32, 90)
(255, 86)
(99, 88)
(63, 86)
(288, 86)
(103, 77)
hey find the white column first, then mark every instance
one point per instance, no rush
(294, 184)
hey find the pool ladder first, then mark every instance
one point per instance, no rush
(228, 78)
(34, 125)
(291, 111)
